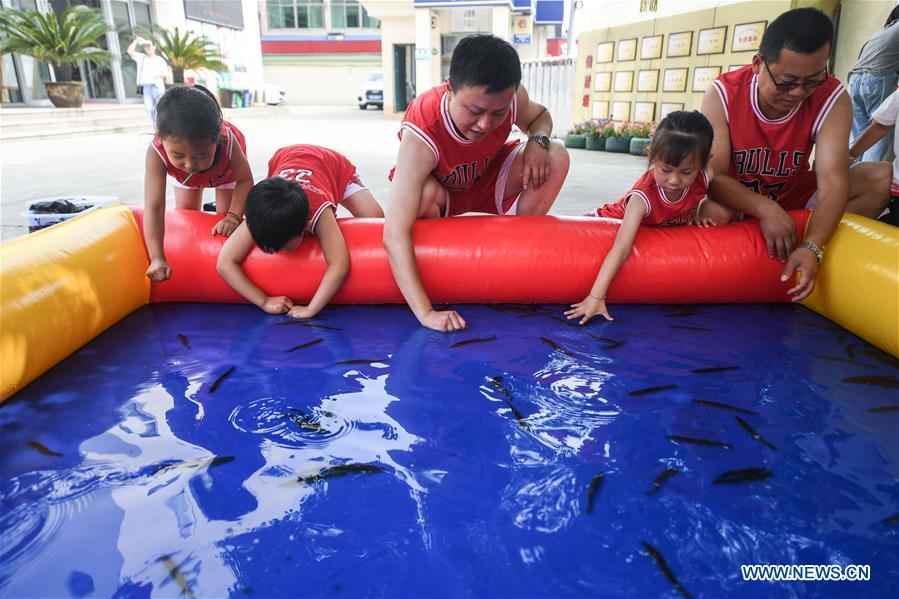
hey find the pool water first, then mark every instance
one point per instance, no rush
(213, 450)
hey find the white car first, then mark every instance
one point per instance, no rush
(371, 93)
(274, 94)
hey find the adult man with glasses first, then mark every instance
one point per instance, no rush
(767, 118)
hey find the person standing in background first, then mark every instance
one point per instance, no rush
(872, 80)
(151, 72)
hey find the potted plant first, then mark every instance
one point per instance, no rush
(620, 140)
(596, 140)
(576, 136)
(185, 50)
(62, 42)
(641, 133)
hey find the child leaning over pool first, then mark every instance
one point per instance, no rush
(672, 192)
(305, 185)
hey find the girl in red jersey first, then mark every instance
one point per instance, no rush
(672, 192)
(198, 149)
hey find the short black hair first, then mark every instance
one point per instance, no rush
(189, 112)
(681, 134)
(485, 61)
(893, 16)
(803, 30)
(277, 211)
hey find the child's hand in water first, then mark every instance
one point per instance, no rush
(301, 312)
(277, 304)
(587, 308)
(226, 226)
(159, 270)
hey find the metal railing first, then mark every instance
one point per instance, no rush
(550, 82)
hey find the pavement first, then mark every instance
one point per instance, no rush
(113, 163)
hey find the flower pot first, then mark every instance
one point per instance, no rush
(639, 145)
(66, 94)
(574, 140)
(596, 143)
(618, 144)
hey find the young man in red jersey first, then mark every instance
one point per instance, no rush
(455, 157)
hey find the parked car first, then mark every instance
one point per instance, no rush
(371, 93)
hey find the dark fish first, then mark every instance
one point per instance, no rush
(663, 566)
(472, 341)
(880, 409)
(686, 328)
(509, 309)
(202, 463)
(890, 520)
(746, 475)
(845, 361)
(661, 478)
(694, 441)
(651, 390)
(564, 321)
(889, 382)
(753, 433)
(312, 325)
(341, 470)
(552, 344)
(683, 311)
(518, 416)
(724, 406)
(218, 382)
(42, 449)
(595, 484)
(363, 361)
(304, 345)
(306, 422)
(612, 343)
(184, 341)
(176, 575)
(881, 357)
(712, 369)
(497, 383)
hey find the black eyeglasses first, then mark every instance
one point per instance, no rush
(790, 86)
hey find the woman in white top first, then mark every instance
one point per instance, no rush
(151, 72)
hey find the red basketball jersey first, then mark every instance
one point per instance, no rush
(322, 173)
(460, 162)
(659, 210)
(771, 157)
(220, 171)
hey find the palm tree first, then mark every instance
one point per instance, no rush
(62, 41)
(185, 50)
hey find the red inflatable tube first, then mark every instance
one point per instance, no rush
(490, 259)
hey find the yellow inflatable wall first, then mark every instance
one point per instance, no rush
(63, 286)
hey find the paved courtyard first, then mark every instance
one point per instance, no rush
(112, 164)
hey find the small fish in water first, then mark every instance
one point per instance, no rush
(313, 325)
(881, 357)
(704, 442)
(363, 361)
(724, 406)
(686, 328)
(518, 416)
(202, 463)
(509, 309)
(845, 361)
(218, 382)
(683, 311)
(184, 340)
(304, 345)
(472, 341)
(890, 520)
(611, 343)
(889, 382)
(663, 566)
(651, 390)
(341, 470)
(306, 422)
(176, 575)
(880, 409)
(592, 489)
(42, 449)
(552, 344)
(712, 369)
(746, 475)
(660, 479)
(497, 383)
(752, 433)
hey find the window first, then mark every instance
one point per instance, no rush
(348, 14)
(295, 14)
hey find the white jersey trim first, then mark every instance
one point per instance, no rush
(314, 220)
(722, 94)
(754, 100)
(826, 108)
(642, 196)
(448, 121)
(500, 188)
(422, 136)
